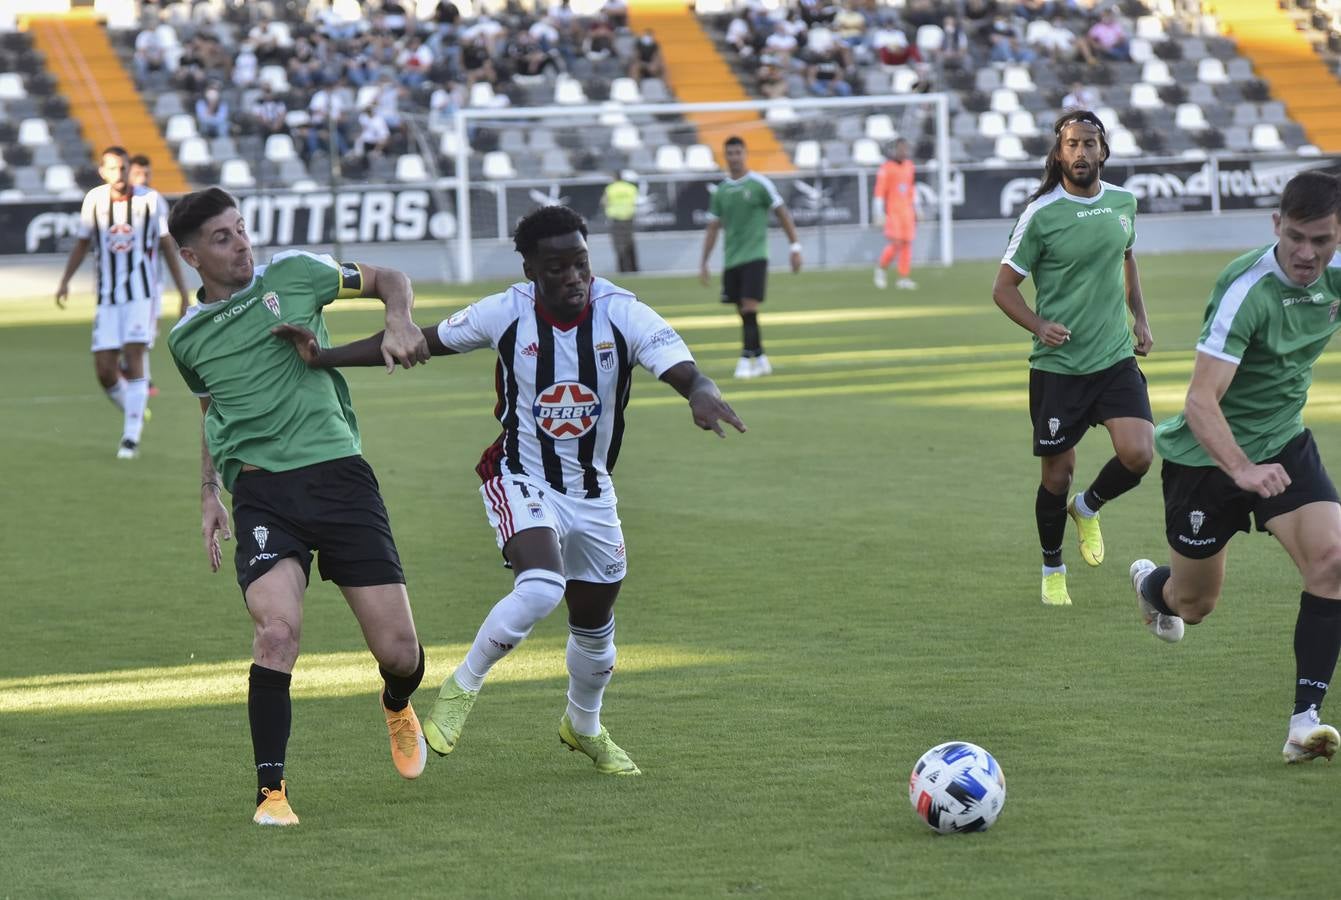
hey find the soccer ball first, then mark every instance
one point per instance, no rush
(957, 787)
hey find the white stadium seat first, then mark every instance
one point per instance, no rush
(930, 38)
(781, 113)
(880, 127)
(1010, 148)
(568, 92)
(806, 155)
(625, 90)
(1004, 100)
(1017, 78)
(1122, 142)
(481, 94)
(1267, 138)
(1189, 117)
(235, 173)
(866, 152)
(1140, 50)
(1212, 71)
(34, 132)
(11, 86)
(410, 168)
(498, 165)
(1151, 28)
(903, 79)
(699, 158)
(447, 145)
(670, 158)
(1021, 124)
(991, 124)
(194, 152)
(1145, 96)
(60, 180)
(1156, 72)
(626, 137)
(279, 147)
(179, 128)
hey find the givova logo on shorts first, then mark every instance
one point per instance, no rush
(567, 410)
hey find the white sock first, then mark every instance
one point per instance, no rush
(1082, 508)
(137, 397)
(591, 662)
(1053, 570)
(117, 393)
(534, 595)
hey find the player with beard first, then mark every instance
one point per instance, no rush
(1075, 238)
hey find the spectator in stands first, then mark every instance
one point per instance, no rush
(374, 133)
(414, 62)
(490, 30)
(740, 37)
(782, 43)
(897, 50)
(646, 58)
(361, 70)
(1059, 43)
(528, 60)
(1080, 97)
(599, 43)
(443, 106)
(770, 77)
(304, 68)
(825, 76)
(616, 12)
(149, 54)
(956, 44)
(476, 62)
(212, 113)
(268, 112)
(849, 26)
(545, 34)
(272, 41)
(246, 68)
(141, 171)
(1011, 49)
(191, 75)
(326, 116)
(394, 16)
(446, 15)
(388, 98)
(1108, 39)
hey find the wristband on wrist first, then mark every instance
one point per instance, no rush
(796, 247)
(205, 484)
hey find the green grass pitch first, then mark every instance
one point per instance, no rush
(809, 607)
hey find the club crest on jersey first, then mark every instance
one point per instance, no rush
(537, 511)
(271, 301)
(1053, 425)
(260, 533)
(1125, 223)
(1196, 518)
(1331, 310)
(566, 410)
(605, 356)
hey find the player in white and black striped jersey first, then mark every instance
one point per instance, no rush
(567, 344)
(127, 228)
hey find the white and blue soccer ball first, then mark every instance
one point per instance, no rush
(957, 787)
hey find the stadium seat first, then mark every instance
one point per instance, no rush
(1273, 113)
(1266, 138)
(1145, 96)
(849, 128)
(1309, 150)
(194, 151)
(366, 96)
(556, 164)
(986, 80)
(903, 79)
(1151, 28)
(1156, 72)
(1212, 71)
(964, 125)
(670, 158)
(1038, 31)
(880, 127)
(279, 147)
(410, 169)
(447, 145)
(60, 180)
(1194, 153)
(235, 173)
(33, 132)
(1004, 100)
(498, 165)
(930, 38)
(837, 154)
(512, 140)
(780, 114)
(699, 158)
(806, 155)
(1122, 142)
(1246, 114)
(1140, 50)
(1238, 139)
(654, 90)
(481, 94)
(625, 90)
(179, 128)
(568, 92)
(1240, 69)
(625, 137)
(1017, 78)
(276, 77)
(1021, 124)
(1010, 148)
(542, 139)
(866, 152)
(1189, 117)
(11, 86)
(297, 118)
(168, 103)
(991, 124)
(1109, 116)
(612, 115)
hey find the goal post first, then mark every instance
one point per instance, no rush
(508, 160)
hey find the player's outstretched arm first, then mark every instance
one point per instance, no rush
(402, 341)
(213, 515)
(709, 241)
(794, 253)
(72, 264)
(1136, 303)
(1006, 294)
(705, 400)
(365, 352)
(1210, 379)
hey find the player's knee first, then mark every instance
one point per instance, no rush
(400, 654)
(276, 641)
(1137, 459)
(106, 373)
(539, 591)
(1322, 575)
(1193, 607)
(1058, 480)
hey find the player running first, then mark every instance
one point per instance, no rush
(1239, 448)
(567, 344)
(896, 202)
(1075, 237)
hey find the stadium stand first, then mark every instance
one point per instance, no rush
(262, 94)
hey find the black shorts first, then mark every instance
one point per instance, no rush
(1064, 407)
(333, 508)
(1203, 507)
(745, 281)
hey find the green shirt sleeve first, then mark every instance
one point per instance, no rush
(1026, 245)
(193, 382)
(1231, 320)
(714, 207)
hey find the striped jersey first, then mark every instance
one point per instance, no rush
(563, 386)
(1274, 330)
(124, 235)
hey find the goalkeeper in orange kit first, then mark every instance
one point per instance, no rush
(895, 195)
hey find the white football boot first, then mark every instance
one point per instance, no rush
(1165, 627)
(1308, 738)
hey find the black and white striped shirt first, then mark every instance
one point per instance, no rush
(563, 386)
(124, 235)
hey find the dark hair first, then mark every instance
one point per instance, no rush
(194, 210)
(1052, 167)
(139, 159)
(114, 150)
(733, 140)
(1311, 195)
(545, 222)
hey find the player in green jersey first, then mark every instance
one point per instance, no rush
(1239, 448)
(1075, 238)
(282, 438)
(740, 206)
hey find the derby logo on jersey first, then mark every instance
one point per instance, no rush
(120, 237)
(271, 301)
(566, 410)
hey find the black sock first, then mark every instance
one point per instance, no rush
(1317, 637)
(749, 327)
(1050, 513)
(270, 712)
(1113, 480)
(400, 688)
(1152, 589)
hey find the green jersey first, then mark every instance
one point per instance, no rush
(266, 407)
(1075, 247)
(742, 206)
(1272, 329)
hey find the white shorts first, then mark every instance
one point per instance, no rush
(154, 316)
(590, 539)
(118, 324)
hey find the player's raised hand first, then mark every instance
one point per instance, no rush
(1053, 334)
(403, 343)
(213, 526)
(1144, 339)
(1265, 480)
(304, 341)
(709, 410)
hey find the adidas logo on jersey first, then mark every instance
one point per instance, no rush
(531, 350)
